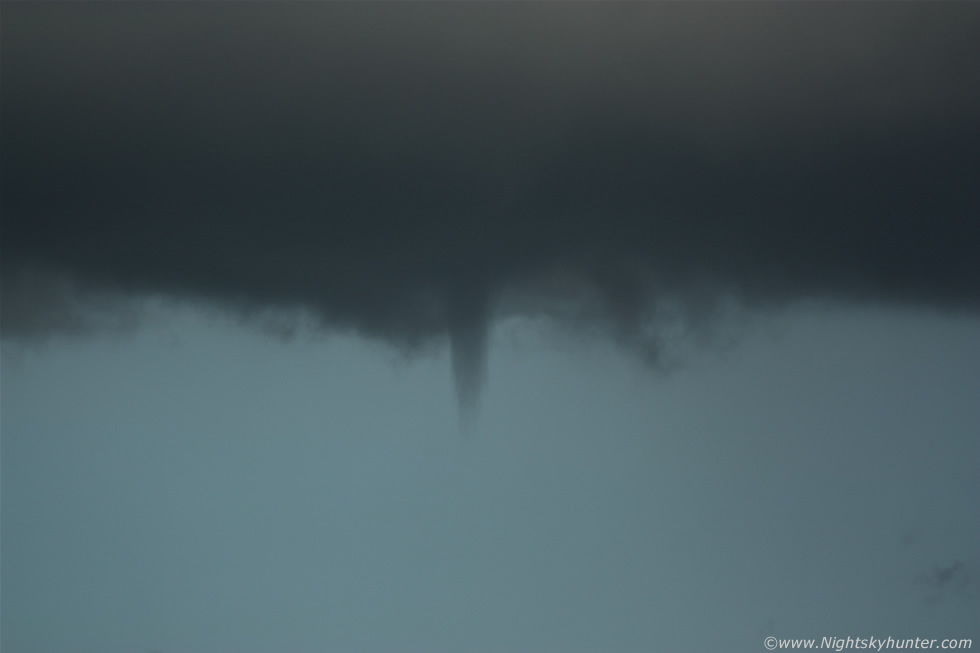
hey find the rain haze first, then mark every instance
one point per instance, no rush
(372, 326)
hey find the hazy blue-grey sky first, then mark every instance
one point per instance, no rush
(199, 486)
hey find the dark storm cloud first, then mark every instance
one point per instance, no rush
(408, 169)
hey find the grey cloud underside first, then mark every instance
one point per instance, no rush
(403, 169)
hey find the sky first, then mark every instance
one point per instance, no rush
(199, 487)
(490, 327)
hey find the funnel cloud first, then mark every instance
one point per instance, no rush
(468, 348)
(591, 161)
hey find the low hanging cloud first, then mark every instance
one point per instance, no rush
(954, 582)
(412, 170)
